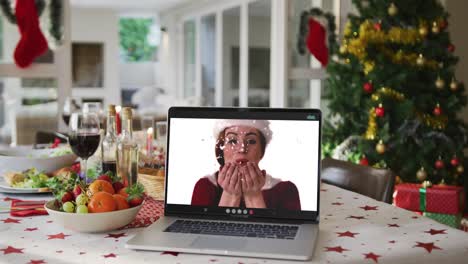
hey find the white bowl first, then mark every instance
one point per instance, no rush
(20, 159)
(92, 222)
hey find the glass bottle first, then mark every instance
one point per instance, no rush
(109, 143)
(127, 150)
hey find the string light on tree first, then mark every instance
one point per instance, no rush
(437, 110)
(380, 147)
(439, 164)
(423, 31)
(435, 28)
(439, 83)
(392, 9)
(420, 60)
(453, 85)
(380, 111)
(421, 175)
(460, 169)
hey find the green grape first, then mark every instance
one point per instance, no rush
(69, 207)
(82, 199)
(82, 209)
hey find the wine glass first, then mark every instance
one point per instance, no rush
(70, 105)
(95, 107)
(84, 137)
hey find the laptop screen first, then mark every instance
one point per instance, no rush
(250, 163)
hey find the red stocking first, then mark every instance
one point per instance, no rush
(316, 42)
(32, 43)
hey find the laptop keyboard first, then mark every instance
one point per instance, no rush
(233, 229)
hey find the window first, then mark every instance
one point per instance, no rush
(139, 38)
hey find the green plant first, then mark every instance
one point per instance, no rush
(134, 39)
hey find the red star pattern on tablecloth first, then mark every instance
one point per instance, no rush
(372, 256)
(356, 217)
(346, 234)
(338, 249)
(369, 208)
(117, 235)
(337, 203)
(392, 241)
(110, 255)
(428, 246)
(393, 225)
(57, 236)
(11, 220)
(82, 253)
(29, 229)
(173, 253)
(40, 261)
(10, 250)
(436, 232)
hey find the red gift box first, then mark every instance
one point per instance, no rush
(442, 199)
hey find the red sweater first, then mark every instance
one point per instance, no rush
(283, 195)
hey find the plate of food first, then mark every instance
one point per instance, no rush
(28, 181)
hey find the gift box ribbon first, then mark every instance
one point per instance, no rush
(422, 199)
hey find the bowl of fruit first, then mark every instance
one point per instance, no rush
(101, 206)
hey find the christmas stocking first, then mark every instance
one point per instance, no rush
(32, 43)
(316, 42)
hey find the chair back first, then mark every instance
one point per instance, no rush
(368, 181)
(48, 137)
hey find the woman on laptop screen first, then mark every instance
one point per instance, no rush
(240, 146)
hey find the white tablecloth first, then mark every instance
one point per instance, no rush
(353, 229)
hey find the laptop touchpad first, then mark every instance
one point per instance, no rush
(219, 243)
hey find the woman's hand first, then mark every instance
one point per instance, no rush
(252, 182)
(229, 180)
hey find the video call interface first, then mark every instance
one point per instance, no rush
(243, 163)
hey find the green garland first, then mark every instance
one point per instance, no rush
(303, 30)
(56, 7)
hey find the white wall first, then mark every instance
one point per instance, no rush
(99, 25)
(137, 74)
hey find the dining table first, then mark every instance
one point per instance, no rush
(353, 229)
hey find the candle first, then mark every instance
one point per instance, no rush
(149, 141)
(118, 124)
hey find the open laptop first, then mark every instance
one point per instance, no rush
(239, 182)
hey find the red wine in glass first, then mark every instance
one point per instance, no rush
(84, 144)
(109, 166)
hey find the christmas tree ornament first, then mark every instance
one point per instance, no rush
(423, 31)
(420, 60)
(437, 110)
(454, 161)
(365, 3)
(398, 180)
(453, 85)
(378, 26)
(368, 87)
(375, 97)
(443, 24)
(426, 184)
(439, 83)
(380, 111)
(451, 48)
(439, 163)
(435, 28)
(442, 182)
(343, 49)
(460, 169)
(380, 147)
(421, 175)
(392, 9)
(364, 161)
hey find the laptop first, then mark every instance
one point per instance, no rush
(239, 182)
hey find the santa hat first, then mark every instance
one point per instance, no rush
(262, 125)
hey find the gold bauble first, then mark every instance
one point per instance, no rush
(453, 85)
(426, 184)
(460, 169)
(420, 60)
(423, 31)
(439, 83)
(435, 28)
(392, 9)
(375, 97)
(442, 182)
(380, 147)
(343, 49)
(421, 175)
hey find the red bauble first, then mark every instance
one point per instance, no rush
(368, 87)
(451, 48)
(454, 161)
(379, 111)
(437, 111)
(443, 24)
(378, 26)
(439, 164)
(364, 161)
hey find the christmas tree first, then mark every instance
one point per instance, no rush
(393, 96)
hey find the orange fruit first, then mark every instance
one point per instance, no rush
(121, 202)
(102, 202)
(123, 193)
(101, 186)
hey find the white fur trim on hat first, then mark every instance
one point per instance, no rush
(262, 125)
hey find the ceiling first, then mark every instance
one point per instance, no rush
(129, 5)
